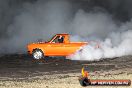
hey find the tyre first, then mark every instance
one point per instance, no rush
(37, 54)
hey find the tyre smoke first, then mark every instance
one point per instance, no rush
(107, 22)
(113, 40)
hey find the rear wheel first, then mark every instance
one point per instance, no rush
(38, 54)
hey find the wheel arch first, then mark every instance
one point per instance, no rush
(38, 49)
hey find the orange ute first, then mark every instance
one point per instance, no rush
(59, 45)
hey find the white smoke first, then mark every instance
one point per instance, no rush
(116, 44)
(44, 18)
(98, 24)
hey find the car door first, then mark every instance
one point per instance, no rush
(56, 48)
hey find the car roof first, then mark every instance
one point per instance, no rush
(62, 34)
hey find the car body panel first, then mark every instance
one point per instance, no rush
(57, 49)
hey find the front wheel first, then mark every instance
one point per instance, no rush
(38, 54)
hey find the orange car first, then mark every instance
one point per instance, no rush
(59, 45)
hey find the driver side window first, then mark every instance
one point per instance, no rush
(58, 39)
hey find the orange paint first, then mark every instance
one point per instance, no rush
(55, 48)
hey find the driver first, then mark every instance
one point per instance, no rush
(61, 39)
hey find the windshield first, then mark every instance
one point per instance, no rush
(51, 38)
